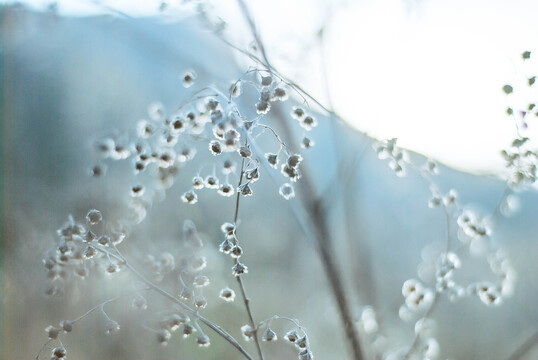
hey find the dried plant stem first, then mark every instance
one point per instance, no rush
(321, 232)
(246, 299)
(525, 347)
(323, 242)
(216, 328)
(315, 228)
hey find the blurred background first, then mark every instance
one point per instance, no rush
(75, 72)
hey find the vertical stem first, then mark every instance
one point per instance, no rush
(322, 237)
(246, 299)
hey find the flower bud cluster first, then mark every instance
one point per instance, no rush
(169, 324)
(270, 91)
(301, 343)
(77, 249)
(521, 162)
(191, 278)
(398, 157)
(417, 298)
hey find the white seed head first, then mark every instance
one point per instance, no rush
(94, 217)
(203, 340)
(200, 281)
(112, 326)
(286, 191)
(248, 332)
(59, 352)
(227, 294)
(291, 336)
(189, 197)
(239, 269)
(269, 335)
(163, 336)
(188, 78)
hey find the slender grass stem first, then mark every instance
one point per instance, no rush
(216, 328)
(246, 299)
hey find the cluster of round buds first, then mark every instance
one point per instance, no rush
(170, 324)
(447, 200)
(445, 266)
(160, 266)
(291, 167)
(474, 231)
(450, 198)
(210, 182)
(191, 265)
(301, 342)
(307, 122)
(490, 294)
(78, 246)
(173, 322)
(368, 321)
(417, 297)
(230, 246)
(501, 266)
(431, 167)
(521, 162)
(398, 157)
(108, 148)
(509, 89)
(156, 145)
(270, 91)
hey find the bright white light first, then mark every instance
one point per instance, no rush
(428, 72)
(431, 74)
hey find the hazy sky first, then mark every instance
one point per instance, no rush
(429, 72)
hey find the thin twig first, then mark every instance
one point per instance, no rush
(525, 347)
(246, 299)
(216, 328)
(255, 33)
(321, 232)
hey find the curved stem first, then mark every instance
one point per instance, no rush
(216, 328)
